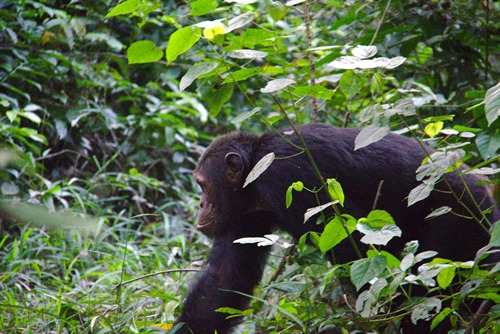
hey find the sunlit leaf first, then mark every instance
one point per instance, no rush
(194, 72)
(369, 135)
(334, 233)
(438, 212)
(297, 186)
(420, 192)
(492, 104)
(426, 309)
(239, 21)
(244, 116)
(247, 54)
(276, 10)
(277, 84)
(317, 209)
(143, 52)
(433, 129)
(202, 7)
(260, 167)
(181, 41)
(363, 51)
(335, 191)
(125, 7)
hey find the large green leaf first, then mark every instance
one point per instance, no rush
(143, 52)
(364, 270)
(181, 41)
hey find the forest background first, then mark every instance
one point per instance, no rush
(106, 107)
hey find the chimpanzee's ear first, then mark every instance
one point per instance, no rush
(234, 166)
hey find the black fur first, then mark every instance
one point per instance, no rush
(260, 207)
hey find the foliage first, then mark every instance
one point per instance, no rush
(104, 109)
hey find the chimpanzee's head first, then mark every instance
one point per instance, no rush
(220, 173)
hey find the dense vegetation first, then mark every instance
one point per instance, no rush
(105, 110)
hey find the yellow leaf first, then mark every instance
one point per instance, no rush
(164, 326)
(211, 33)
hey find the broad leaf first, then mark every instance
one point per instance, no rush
(335, 191)
(276, 10)
(315, 91)
(143, 52)
(277, 84)
(239, 21)
(370, 135)
(247, 54)
(334, 233)
(364, 51)
(420, 192)
(297, 186)
(364, 270)
(374, 236)
(260, 167)
(433, 129)
(351, 83)
(221, 96)
(439, 212)
(181, 41)
(125, 7)
(492, 104)
(202, 7)
(194, 72)
(426, 309)
(241, 117)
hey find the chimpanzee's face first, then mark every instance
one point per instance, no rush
(220, 178)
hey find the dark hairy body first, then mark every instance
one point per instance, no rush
(382, 173)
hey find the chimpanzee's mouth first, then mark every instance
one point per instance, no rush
(206, 228)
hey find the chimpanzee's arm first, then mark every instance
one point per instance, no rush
(230, 266)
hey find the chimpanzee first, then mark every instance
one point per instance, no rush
(229, 211)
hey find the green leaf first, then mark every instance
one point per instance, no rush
(276, 9)
(392, 261)
(440, 317)
(221, 96)
(242, 74)
(143, 52)
(202, 7)
(335, 190)
(297, 186)
(404, 107)
(332, 235)
(181, 41)
(31, 116)
(433, 129)
(126, 7)
(492, 104)
(194, 72)
(378, 219)
(364, 270)
(446, 276)
(351, 83)
(319, 92)
(495, 236)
